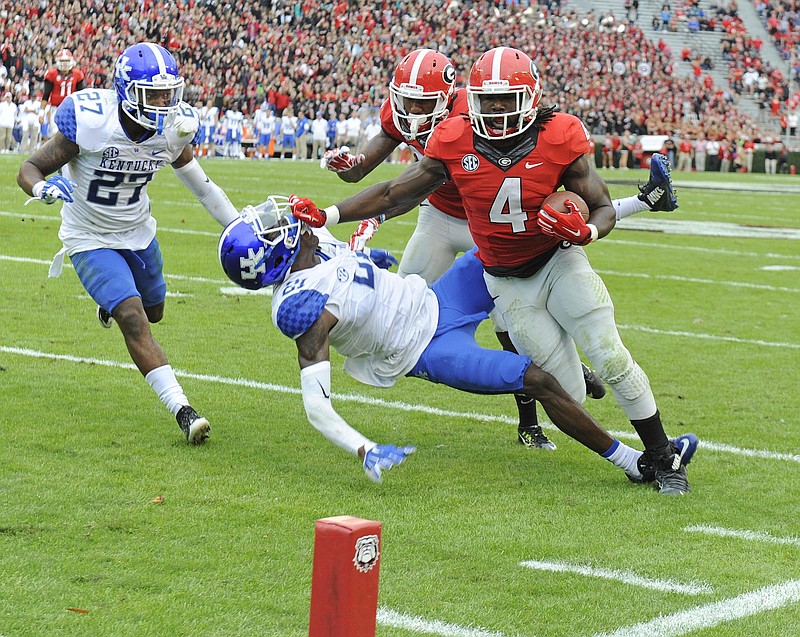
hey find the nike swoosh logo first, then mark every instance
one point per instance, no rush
(530, 165)
(157, 152)
(574, 233)
(684, 447)
(323, 390)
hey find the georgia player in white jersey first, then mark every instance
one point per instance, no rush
(109, 146)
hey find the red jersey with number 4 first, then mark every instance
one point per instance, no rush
(502, 196)
(64, 85)
(445, 197)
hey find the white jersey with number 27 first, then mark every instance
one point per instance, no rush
(111, 208)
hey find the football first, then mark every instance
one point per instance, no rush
(556, 201)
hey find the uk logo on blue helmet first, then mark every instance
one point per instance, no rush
(148, 85)
(258, 248)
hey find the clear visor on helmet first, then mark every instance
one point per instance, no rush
(431, 107)
(156, 100)
(64, 64)
(272, 222)
(498, 111)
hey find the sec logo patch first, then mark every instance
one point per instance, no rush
(470, 163)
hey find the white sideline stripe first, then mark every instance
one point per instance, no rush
(626, 577)
(389, 617)
(756, 536)
(400, 406)
(708, 228)
(22, 215)
(780, 268)
(709, 337)
(710, 615)
(686, 279)
(177, 277)
(666, 226)
(639, 275)
(683, 248)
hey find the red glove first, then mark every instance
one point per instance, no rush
(306, 211)
(365, 231)
(340, 159)
(567, 226)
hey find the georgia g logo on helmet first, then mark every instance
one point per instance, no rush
(420, 92)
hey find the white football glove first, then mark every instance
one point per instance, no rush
(340, 159)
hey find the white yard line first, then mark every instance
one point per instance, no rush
(686, 279)
(710, 615)
(384, 404)
(626, 577)
(754, 536)
(708, 228)
(702, 249)
(414, 624)
(710, 337)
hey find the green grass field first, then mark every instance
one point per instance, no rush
(87, 447)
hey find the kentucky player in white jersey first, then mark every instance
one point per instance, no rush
(234, 126)
(109, 146)
(209, 116)
(387, 327)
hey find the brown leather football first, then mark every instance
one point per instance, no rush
(556, 201)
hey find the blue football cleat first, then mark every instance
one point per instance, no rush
(658, 192)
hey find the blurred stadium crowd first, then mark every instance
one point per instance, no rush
(336, 58)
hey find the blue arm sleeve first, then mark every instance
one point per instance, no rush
(65, 119)
(298, 312)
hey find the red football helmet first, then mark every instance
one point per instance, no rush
(504, 72)
(64, 61)
(423, 75)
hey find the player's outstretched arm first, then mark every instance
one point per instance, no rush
(213, 198)
(313, 349)
(392, 197)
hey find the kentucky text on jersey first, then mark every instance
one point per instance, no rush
(137, 165)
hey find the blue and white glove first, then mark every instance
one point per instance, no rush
(55, 188)
(382, 258)
(383, 457)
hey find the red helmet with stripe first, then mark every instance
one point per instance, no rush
(64, 61)
(420, 92)
(503, 73)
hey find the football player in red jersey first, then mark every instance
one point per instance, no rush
(422, 93)
(504, 159)
(59, 82)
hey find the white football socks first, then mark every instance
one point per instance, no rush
(624, 457)
(629, 206)
(162, 380)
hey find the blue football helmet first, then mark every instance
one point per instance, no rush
(258, 248)
(148, 85)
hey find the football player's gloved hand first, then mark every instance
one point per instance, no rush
(306, 211)
(382, 258)
(383, 457)
(340, 159)
(365, 231)
(55, 188)
(567, 226)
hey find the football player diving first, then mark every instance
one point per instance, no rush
(387, 327)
